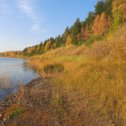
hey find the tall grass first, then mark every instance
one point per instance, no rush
(93, 81)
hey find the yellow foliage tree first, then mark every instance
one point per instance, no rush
(84, 33)
(29, 50)
(119, 11)
(101, 24)
(95, 25)
(68, 40)
(48, 45)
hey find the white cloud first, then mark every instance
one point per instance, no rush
(27, 7)
(35, 28)
(38, 29)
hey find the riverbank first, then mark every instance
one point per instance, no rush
(27, 107)
(82, 86)
(44, 104)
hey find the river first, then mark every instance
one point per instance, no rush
(14, 72)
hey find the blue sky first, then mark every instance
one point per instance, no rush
(27, 22)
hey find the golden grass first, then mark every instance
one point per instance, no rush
(97, 73)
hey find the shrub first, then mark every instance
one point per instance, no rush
(90, 41)
(100, 50)
(53, 68)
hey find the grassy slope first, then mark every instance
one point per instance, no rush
(98, 73)
(91, 89)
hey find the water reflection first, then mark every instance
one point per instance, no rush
(14, 72)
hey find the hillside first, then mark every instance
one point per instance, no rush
(83, 76)
(80, 86)
(107, 17)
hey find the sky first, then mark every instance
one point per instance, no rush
(25, 23)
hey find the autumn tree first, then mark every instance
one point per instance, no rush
(50, 44)
(89, 20)
(41, 48)
(96, 25)
(85, 33)
(68, 40)
(105, 22)
(108, 7)
(65, 34)
(119, 11)
(101, 24)
(75, 30)
(100, 7)
(59, 41)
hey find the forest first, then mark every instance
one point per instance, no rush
(108, 15)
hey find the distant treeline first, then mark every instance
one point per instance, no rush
(11, 53)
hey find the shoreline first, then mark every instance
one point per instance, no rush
(6, 102)
(13, 57)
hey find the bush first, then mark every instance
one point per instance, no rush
(100, 50)
(90, 41)
(53, 68)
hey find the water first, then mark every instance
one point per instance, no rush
(14, 72)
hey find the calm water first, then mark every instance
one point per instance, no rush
(14, 72)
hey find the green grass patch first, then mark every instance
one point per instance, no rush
(16, 113)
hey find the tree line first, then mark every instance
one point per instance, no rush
(108, 14)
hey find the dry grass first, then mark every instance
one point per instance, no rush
(97, 73)
(90, 91)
